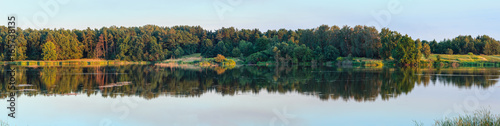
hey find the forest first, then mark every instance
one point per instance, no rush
(156, 43)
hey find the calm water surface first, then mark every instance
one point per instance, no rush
(261, 96)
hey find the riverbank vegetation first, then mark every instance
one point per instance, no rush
(481, 117)
(478, 118)
(319, 45)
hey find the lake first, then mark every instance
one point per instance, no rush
(246, 95)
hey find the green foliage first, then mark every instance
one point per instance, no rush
(389, 40)
(21, 47)
(222, 48)
(295, 61)
(49, 51)
(418, 47)
(236, 52)
(478, 118)
(492, 48)
(246, 48)
(449, 51)
(229, 62)
(256, 57)
(302, 53)
(206, 48)
(262, 44)
(349, 57)
(154, 43)
(339, 59)
(406, 53)
(426, 50)
(178, 52)
(465, 44)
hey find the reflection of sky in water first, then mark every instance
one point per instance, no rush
(423, 104)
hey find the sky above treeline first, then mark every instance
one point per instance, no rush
(424, 19)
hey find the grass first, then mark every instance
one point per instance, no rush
(196, 58)
(361, 61)
(192, 55)
(479, 118)
(465, 60)
(186, 59)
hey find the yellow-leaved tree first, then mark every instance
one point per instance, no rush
(49, 51)
(220, 58)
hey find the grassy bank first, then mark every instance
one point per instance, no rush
(464, 60)
(439, 60)
(197, 60)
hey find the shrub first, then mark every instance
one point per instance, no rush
(229, 62)
(295, 61)
(349, 57)
(220, 58)
(340, 59)
(449, 51)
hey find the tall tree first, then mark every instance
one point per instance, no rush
(49, 51)
(99, 48)
(426, 50)
(406, 52)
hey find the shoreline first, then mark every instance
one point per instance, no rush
(445, 60)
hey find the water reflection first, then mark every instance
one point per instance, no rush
(326, 83)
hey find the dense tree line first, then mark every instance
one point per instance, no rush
(465, 44)
(155, 43)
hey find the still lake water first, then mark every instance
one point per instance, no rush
(261, 96)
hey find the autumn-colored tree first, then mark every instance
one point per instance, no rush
(220, 58)
(426, 50)
(99, 48)
(49, 51)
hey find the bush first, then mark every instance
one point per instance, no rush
(339, 59)
(449, 51)
(229, 62)
(295, 61)
(220, 58)
(349, 57)
(256, 57)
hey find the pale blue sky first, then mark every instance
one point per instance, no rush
(425, 19)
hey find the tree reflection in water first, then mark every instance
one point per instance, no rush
(149, 81)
